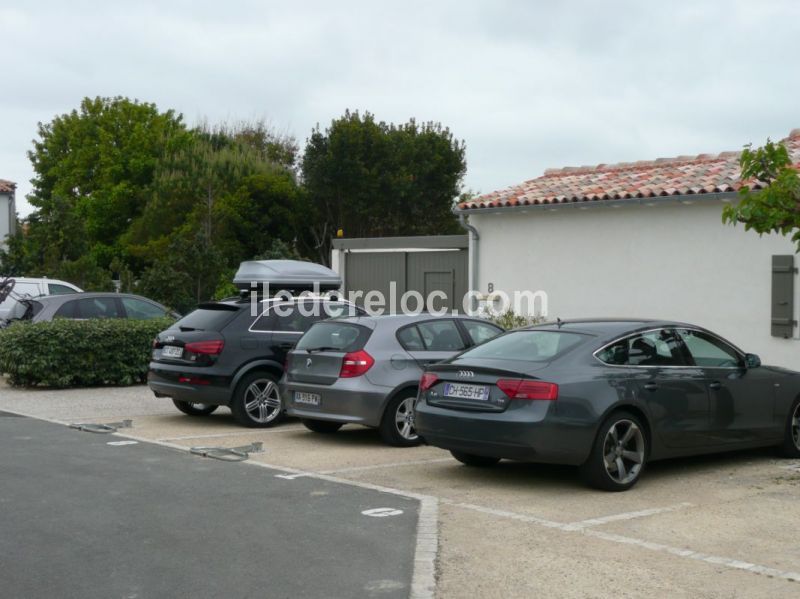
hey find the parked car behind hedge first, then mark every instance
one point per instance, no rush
(78, 353)
(85, 306)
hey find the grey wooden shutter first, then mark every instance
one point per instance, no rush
(783, 271)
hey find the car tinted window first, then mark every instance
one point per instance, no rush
(440, 335)
(708, 351)
(529, 345)
(410, 339)
(209, 317)
(56, 289)
(68, 310)
(141, 310)
(653, 348)
(98, 307)
(334, 336)
(481, 331)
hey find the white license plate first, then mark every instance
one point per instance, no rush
(309, 399)
(171, 351)
(479, 392)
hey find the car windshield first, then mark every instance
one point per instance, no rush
(334, 336)
(528, 345)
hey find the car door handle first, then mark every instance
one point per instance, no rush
(650, 386)
(286, 345)
(715, 385)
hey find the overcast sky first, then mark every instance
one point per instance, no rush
(527, 84)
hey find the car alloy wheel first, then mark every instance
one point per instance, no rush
(397, 424)
(623, 451)
(256, 402)
(796, 426)
(404, 419)
(262, 401)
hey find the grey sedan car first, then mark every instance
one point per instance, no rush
(607, 396)
(366, 370)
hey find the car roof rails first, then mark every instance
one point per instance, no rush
(285, 275)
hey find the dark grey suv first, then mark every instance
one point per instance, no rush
(366, 370)
(222, 355)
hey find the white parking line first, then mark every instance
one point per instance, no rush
(362, 468)
(625, 516)
(423, 577)
(235, 434)
(727, 562)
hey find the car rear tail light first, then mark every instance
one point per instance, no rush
(355, 364)
(427, 381)
(193, 380)
(525, 389)
(211, 348)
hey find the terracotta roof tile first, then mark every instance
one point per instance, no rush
(682, 175)
(7, 186)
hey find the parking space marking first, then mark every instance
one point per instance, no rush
(696, 555)
(506, 514)
(234, 434)
(363, 468)
(423, 578)
(426, 551)
(382, 512)
(626, 516)
(727, 562)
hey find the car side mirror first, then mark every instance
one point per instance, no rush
(752, 360)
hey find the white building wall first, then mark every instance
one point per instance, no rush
(669, 261)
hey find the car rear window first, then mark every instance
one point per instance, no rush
(297, 317)
(208, 317)
(334, 336)
(528, 345)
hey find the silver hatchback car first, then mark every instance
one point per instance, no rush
(366, 370)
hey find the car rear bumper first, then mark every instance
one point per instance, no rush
(526, 431)
(348, 401)
(164, 381)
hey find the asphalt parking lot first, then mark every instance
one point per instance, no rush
(716, 526)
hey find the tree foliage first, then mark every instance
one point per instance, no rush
(373, 179)
(93, 169)
(126, 193)
(123, 190)
(775, 208)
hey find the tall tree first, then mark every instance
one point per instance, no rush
(217, 202)
(372, 179)
(775, 208)
(92, 171)
(121, 187)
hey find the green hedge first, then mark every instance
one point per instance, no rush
(78, 353)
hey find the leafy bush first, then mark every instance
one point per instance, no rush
(78, 353)
(511, 320)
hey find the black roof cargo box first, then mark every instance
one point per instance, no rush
(288, 275)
